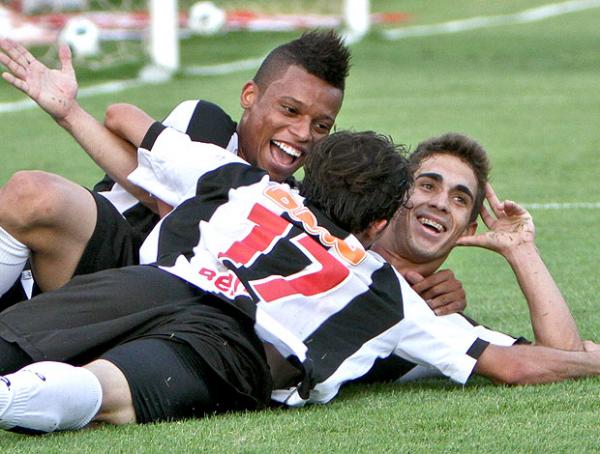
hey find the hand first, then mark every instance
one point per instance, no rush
(509, 227)
(441, 291)
(54, 90)
(590, 346)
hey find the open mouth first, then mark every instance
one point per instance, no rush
(432, 225)
(289, 151)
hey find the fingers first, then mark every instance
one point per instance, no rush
(443, 292)
(437, 284)
(64, 54)
(412, 277)
(487, 218)
(12, 61)
(18, 83)
(17, 53)
(492, 198)
(590, 346)
(514, 209)
(450, 308)
(471, 240)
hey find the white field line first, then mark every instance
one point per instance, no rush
(108, 87)
(117, 86)
(225, 68)
(562, 206)
(528, 15)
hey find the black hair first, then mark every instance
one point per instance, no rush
(465, 149)
(321, 53)
(357, 178)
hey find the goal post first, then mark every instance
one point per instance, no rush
(163, 45)
(164, 31)
(150, 30)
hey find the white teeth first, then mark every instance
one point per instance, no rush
(430, 223)
(288, 149)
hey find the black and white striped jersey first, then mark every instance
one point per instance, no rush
(203, 121)
(394, 368)
(311, 289)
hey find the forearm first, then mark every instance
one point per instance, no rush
(128, 122)
(105, 148)
(113, 154)
(551, 320)
(531, 364)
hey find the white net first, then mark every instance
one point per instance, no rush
(105, 33)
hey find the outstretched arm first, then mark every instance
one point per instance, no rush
(534, 364)
(55, 92)
(512, 234)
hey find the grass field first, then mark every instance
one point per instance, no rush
(531, 94)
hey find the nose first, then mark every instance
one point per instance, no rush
(301, 129)
(440, 201)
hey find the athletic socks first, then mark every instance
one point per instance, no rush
(13, 256)
(48, 396)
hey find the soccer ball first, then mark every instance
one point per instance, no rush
(205, 18)
(82, 36)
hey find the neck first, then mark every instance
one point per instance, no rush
(403, 265)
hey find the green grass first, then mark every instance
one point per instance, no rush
(531, 94)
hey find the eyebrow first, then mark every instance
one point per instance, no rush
(438, 177)
(293, 100)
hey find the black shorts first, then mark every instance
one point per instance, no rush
(169, 380)
(94, 313)
(114, 242)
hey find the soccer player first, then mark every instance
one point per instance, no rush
(178, 337)
(325, 307)
(65, 229)
(451, 182)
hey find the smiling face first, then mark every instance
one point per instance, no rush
(438, 211)
(282, 121)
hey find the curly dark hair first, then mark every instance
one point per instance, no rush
(357, 178)
(467, 150)
(321, 53)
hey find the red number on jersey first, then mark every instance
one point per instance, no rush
(322, 275)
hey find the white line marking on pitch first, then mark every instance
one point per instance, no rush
(117, 86)
(562, 206)
(528, 15)
(225, 68)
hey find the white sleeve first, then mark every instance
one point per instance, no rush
(180, 116)
(493, 337)
(436, 341)
(171, 169)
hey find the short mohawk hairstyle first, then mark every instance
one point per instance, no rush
(321, 53)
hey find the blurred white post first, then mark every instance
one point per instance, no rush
(357, 19)
(164, 39)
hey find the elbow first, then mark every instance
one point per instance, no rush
(114, 115)
(503, 366)
(515, 374)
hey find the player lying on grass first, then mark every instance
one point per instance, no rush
(65, 229)
(175, 350)
(450, 184)
(325, 307)
(52, 220)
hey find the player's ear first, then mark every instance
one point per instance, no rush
(373, 232)
(471, 229)
(377, 227)
(249, 94)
